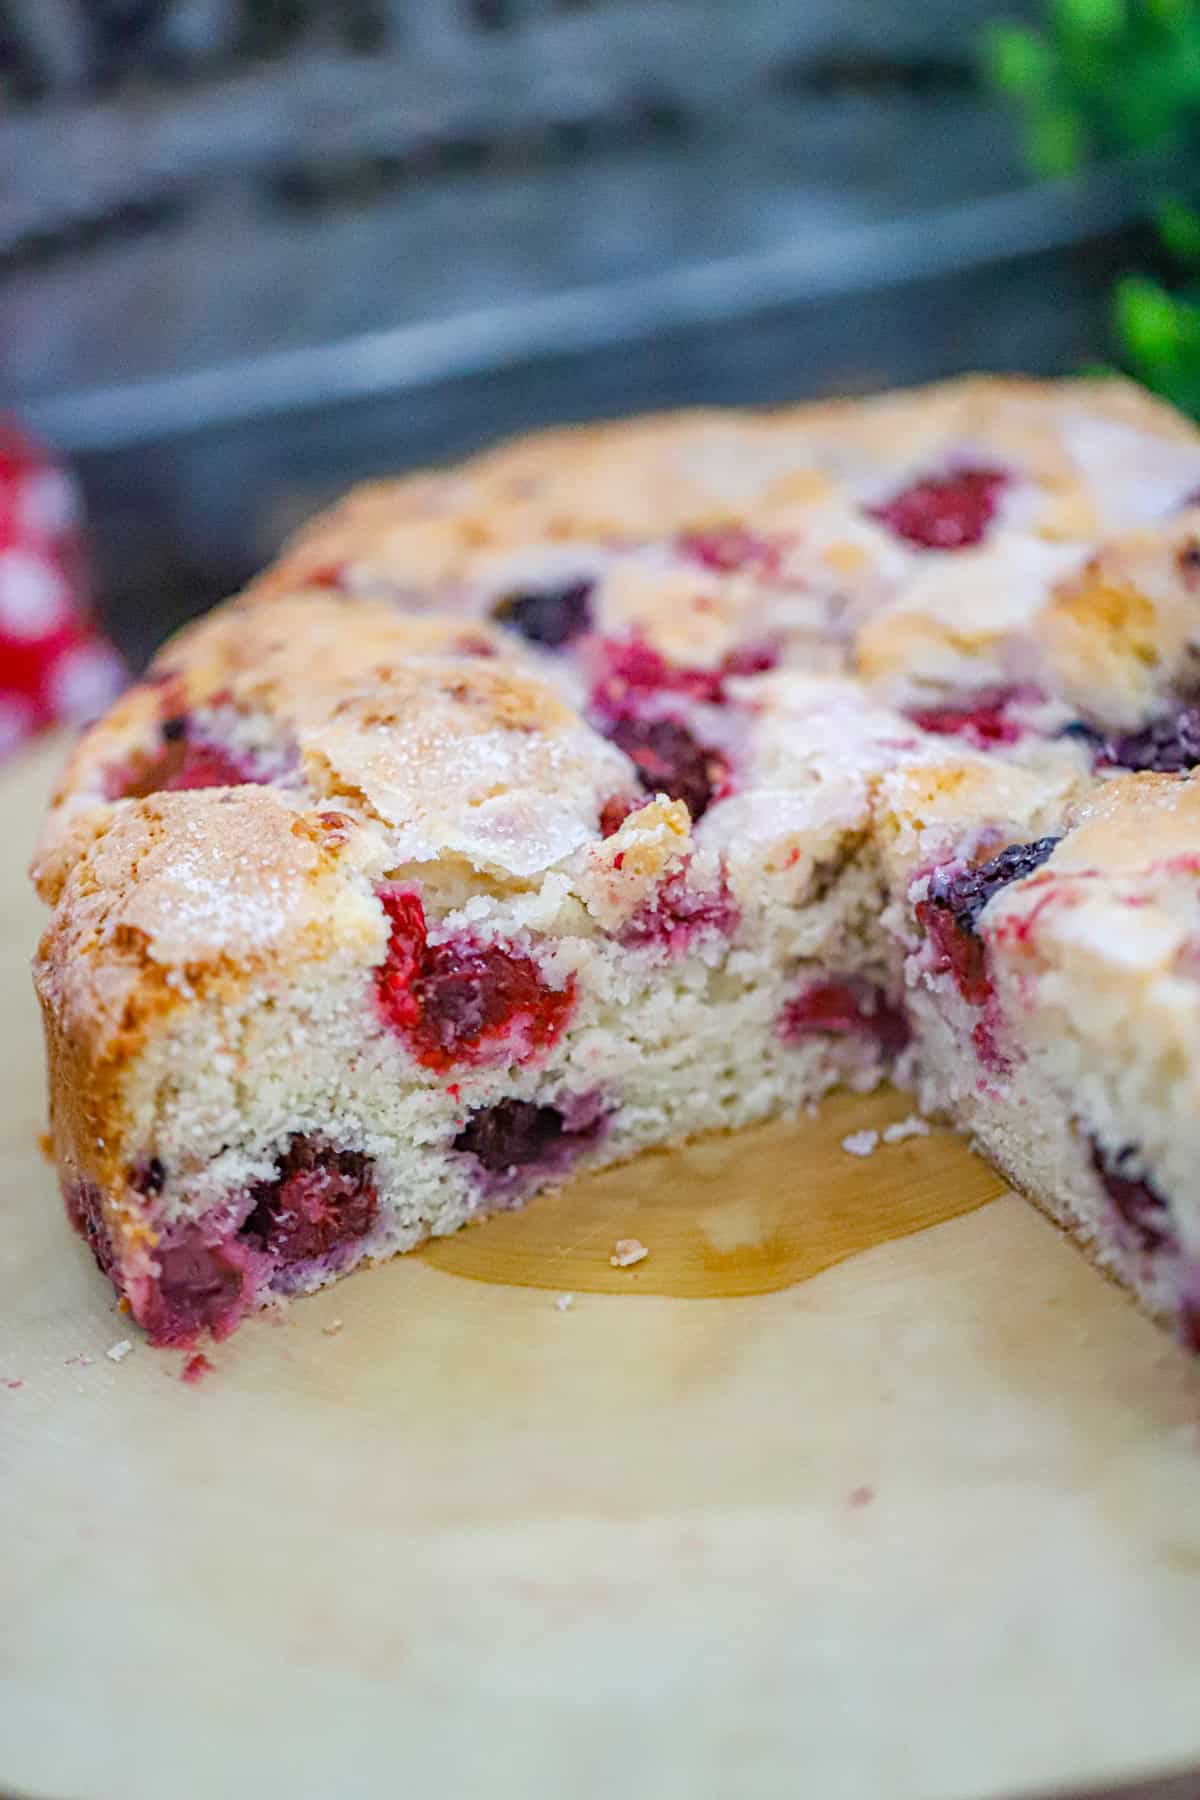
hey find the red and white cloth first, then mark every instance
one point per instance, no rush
(55, 666)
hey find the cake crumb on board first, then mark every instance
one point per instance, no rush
(627, 1251)
(861, 1143)
(913, 1126)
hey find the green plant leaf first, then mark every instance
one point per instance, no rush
(1145, 107)
(1056, 142)
(1148, 321)
(1090, 18)
(1168, 15)
(1179, 227)
(1106, 77)
(1018, 61)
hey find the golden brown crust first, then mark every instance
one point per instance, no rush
(179, 898)
(415, 721)
(179, 887)
(472, 760)
(1123, 629)
(304, 647)
(1135, 823)
(640, 478)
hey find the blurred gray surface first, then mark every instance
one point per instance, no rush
(433, 79)
(187, 516)
(232, 283)
(203, 206)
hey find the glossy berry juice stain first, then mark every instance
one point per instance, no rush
(731, 1214)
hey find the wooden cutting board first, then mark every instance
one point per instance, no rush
(925, 1523)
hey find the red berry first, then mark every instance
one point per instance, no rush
(944, 512)
(726, 549)
(200, 1286)
(1136, 1199)
(680, 913)
(984, 721)
(634, 671)
(847, 1008)
(461, 1000)
(182, 762)
(319, 1199)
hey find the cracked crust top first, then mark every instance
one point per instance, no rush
(179, 889)
(411, 725)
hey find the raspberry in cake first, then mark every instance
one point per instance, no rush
(945, 512)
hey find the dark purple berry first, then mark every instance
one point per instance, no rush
(1143, 1209)
(319, 1199)
(150, 1178)
(670, 760)
(552, 616)
(1168, 745)
(1187, 561)
(965, 892)
(957, 896)
(511, 1134)
(200, 1286)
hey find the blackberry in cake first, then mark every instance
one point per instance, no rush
(622, 785)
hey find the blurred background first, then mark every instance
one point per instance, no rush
(253, 250)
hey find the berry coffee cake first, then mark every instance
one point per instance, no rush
(635, 781)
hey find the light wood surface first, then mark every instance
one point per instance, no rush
(925, 1524)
